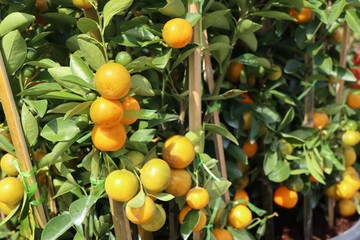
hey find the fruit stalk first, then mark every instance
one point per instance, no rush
(219, 147)
(22, 153)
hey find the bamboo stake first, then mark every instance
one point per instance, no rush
(219, 147)
(195, 121)
(17, 135)
(121, 223)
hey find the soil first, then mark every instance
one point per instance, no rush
(288, 226)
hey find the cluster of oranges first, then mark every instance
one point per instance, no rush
(155, 176)
(113, 109)
(11, 187)
(346, 191)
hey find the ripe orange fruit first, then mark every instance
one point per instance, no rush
(202, 220)
(353, 100)
(321, 119)
(131, 108)
(7, 209)
(234, 72)
(155, 175)
(7, 165)
(158, 220)
(247, 120)
(106, 112)
(241, 194)
(121, 185)
(222, 234)
(84, 4)
(178, 151)
(109, 138)
(177, 33)
(11, 190)
(285, 198)
(351, 171)
(345, 190)
(350, 137)
(112, 80)
(197, 198)
(143, 214)
(245, 98)
(180, 182)
(349, 155)
(346, 207)
(250, 149)
(304, 16)
(354, 180)
(239, 217)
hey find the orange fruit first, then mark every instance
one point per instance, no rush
(84, 4)
(106, 112)
(222, 234)
(177, 33)
(112, 81)
(7, 164)
(353, 100)
(234, 72)
(354, 180)
(245, 98)
(345, 190)
(346, 207)
(197, 198)
(331, 191)
(143, 214)
(158, 220)
(350, 138)
(239, 217)
(11, 190)
(285, 198)
(247, 120)
(349, 155)
(304, 16)
(321, 119)
(351, 171)
(250, 149)
(155, 175)
(109, 138)
(275, 73)
(7, 209)
(178, 151)
(180, 182)
(202, 220)
(241, 194)
(121, 185)
(131, 108)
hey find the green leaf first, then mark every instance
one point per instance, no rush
(162, 61)
(41, 88)
(250, 40)
(352, 17)
(246, 26)
(143, 135)
(60, 129)
(79, 209)
(80, 108)
(210, 19)
(64, 187)
(142, 85)
(6, 145)
(313, 167)
(324, 62)
(217, 188)
(92, 52)
(57, 226)
(240, 234)
(270, 161)
(14, 50)
(252, 60)
(137, 201)
(86, 25)
(293, 66)
(162, 196)
(75, 82)
(336, 10)
(80, 69)
(273, 14)
(189, 49)
(190, 221)
(30, 125)
(15, 21)
(226, 95)
(283, 97)
(220, 52)
(113, 8)
(62, 95)
(173, 8)
(40, 106)
(328, 154)
(290, 114)
(344, 74)
(281, 172)
(221, 131)
(267, 115)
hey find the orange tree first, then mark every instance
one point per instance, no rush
(103, 89)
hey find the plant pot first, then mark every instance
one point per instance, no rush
(352, 233)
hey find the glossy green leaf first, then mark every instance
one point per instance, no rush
(113, 8)
(137, 201)
(93, 53)
(142, 85)
(80, 68)
(283, 97)
(252, 60)
(162, 61)
(57, 226)
(273, 14)
(163, 196)
(30, 125)
(15, 21)
(336, 10)
(143, 135)
(352, 17)
(86, 25)
(40, 106)
(328, 154)
(173, 8)
(80, 108)
(221, 131)
(246, 26)
(344, 74)
(62, 95)
(220, 48)
(41, 88)
(14, 50)
(226, 95)
(60, 129)
(270, 162)
(217, 188)
(293, 66)
(250, 40)
(189, 49)
(290, 114)
(79, 209)
(313, 167)
(324, 62)
(190, 221)
(211, 18)
(267, 115)
(6, 145)
(281, 172)
(242, 234)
